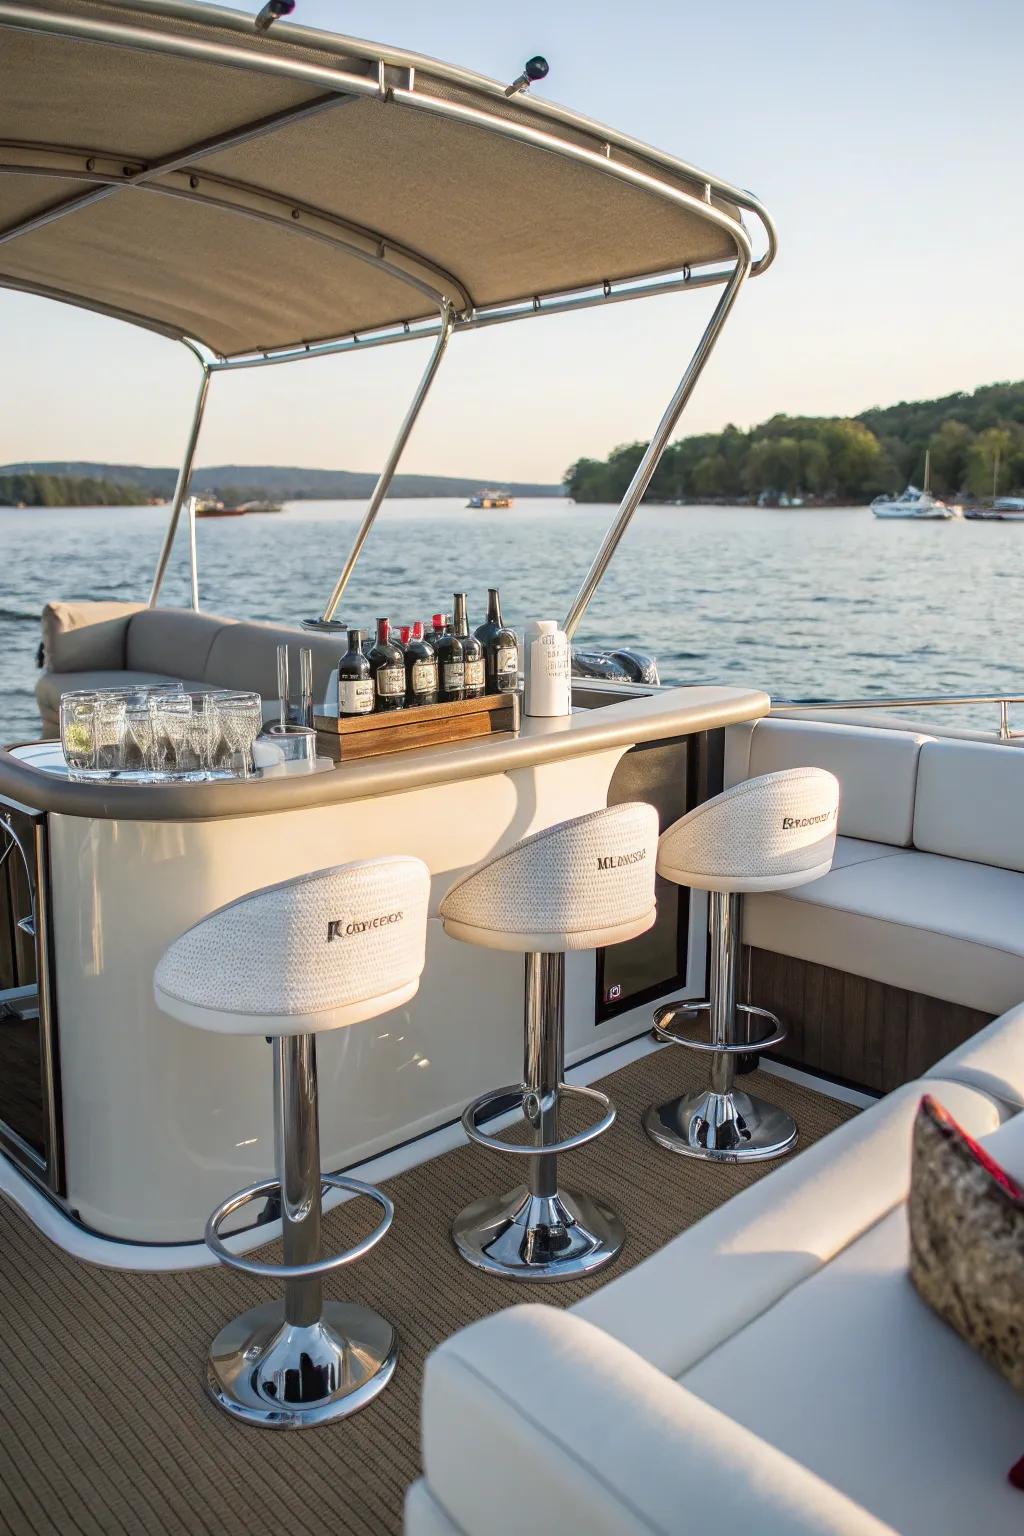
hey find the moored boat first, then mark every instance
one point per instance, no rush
(488, 499)
(915, 505)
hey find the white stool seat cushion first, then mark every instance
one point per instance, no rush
(314, 953)
(576, 885)
(764, 834)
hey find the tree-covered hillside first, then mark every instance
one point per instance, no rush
(835, 459)
(42, 490)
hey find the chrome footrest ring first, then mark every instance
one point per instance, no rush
(216, 1244)
(500, 1100)
(775, 1033)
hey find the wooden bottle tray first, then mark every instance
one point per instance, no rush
(426, 725)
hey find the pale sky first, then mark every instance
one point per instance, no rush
(882, 135)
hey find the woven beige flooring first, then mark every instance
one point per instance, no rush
(104, 1425)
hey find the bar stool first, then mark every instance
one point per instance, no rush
(767, 834)
(577, 885)
(316, 953)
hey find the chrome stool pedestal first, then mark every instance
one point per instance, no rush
(538, 1231)
(288, 963)
(718, 1122)
(303, 1360)
(573, 886)
(770, 833)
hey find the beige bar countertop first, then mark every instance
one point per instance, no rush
(649, 716)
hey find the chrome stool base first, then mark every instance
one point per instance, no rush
(524, 1236)
(722, 1127)
(280, 1375)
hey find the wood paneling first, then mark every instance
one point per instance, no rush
(853, 1028)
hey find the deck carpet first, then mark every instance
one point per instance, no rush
(104, 1424)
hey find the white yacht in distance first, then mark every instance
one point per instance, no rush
(915, 505)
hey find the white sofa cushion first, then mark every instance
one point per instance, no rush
(992, 1060)
(944, 927)
(877, 771)
(168, 639)
(856, 1377)
(86, 636)
(969, 802)
(535, 1421)
(716, 1277)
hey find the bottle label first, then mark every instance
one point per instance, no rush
(423, 677)
(454, 676)
(507, 660)
(475, 676)
(355, 696)
(391, 682)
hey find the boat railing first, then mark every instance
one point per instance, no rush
(1001, 701)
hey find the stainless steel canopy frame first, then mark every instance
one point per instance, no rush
(357, 70)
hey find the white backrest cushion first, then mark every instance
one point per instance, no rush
(876, 769)
(768, 833)
(173, 641)
(970, 803)
(591, 873)
(306, 946)
(85, 636)
(245, 656)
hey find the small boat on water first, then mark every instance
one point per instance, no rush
(209, 506)
(489, 499)
(915, 505)
(1005, 509)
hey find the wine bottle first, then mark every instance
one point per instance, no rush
(355, 685)
(451, 666)
(387, 668)
(472, 652)
(420, 667)
(501, 648)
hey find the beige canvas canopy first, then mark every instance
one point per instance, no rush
(171, 165)
(263, 195)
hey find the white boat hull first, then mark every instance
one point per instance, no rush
(892, 512)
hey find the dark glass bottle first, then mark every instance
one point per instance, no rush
(387, 668)
(451, 666)
(501, 648)
(472, 652)
(420, 667)
(355, 685)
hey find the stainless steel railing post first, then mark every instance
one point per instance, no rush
(181, 487)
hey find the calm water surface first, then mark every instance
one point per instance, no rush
(801, 603)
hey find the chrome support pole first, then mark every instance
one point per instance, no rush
(725, 941)
(181, 487)
(656, 447)
(1005, 734)
(297, 1156)
(543, 1065)
(193, 558)
(387, 474)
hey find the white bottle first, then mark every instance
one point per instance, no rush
(547, 667)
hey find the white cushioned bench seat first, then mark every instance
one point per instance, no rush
(926, 890)
(944, 927)
(788, 1310)
(108, 644)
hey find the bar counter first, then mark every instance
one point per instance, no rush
(154, 1122)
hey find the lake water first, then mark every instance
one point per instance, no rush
(801, 603)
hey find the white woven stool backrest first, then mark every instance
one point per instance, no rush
(314, 953)
(766, 834)
(576, 885)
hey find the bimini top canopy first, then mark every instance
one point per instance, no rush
(168, 164)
